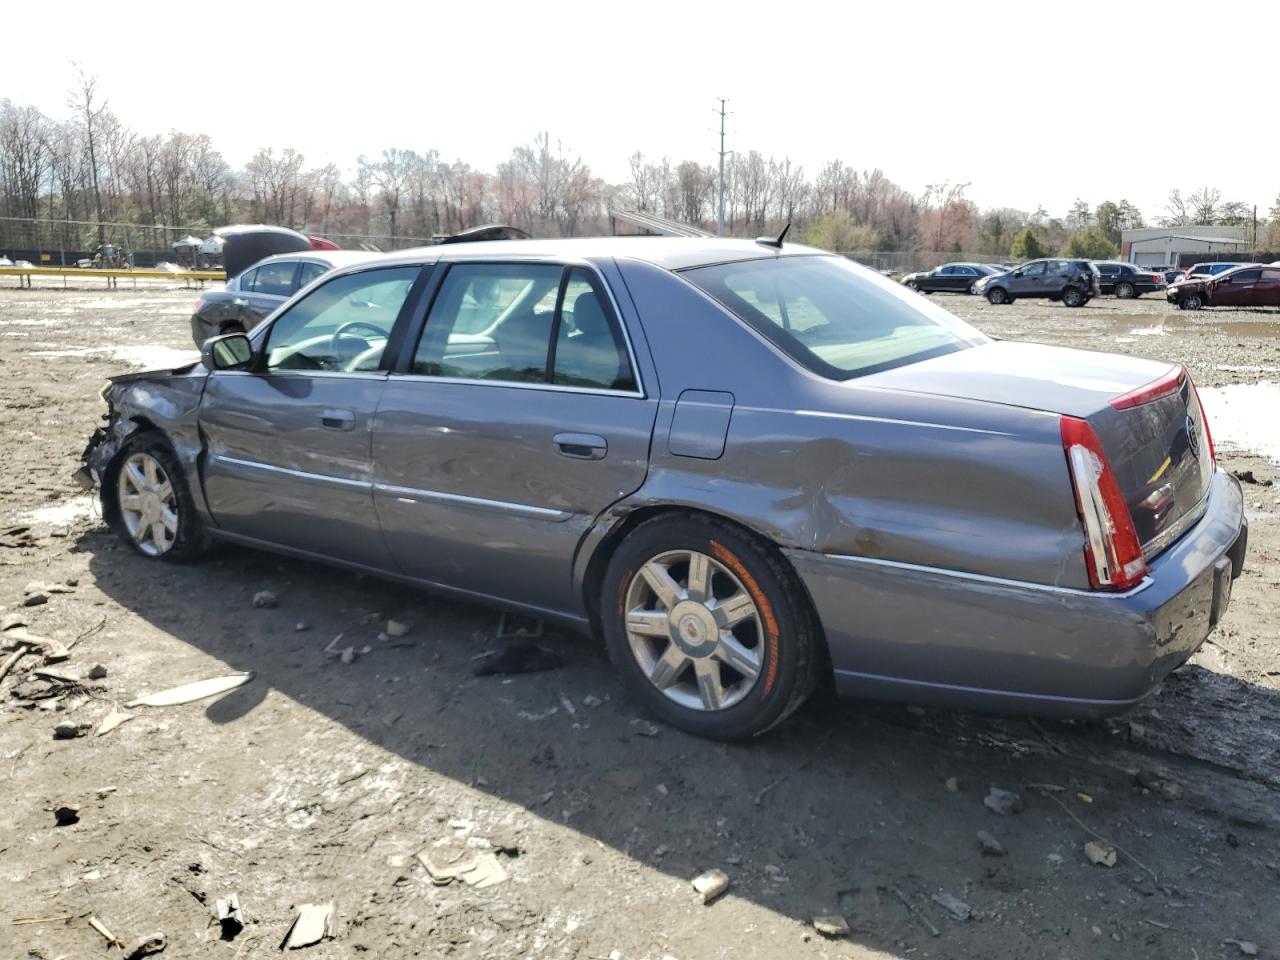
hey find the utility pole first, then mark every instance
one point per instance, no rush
(720, 218)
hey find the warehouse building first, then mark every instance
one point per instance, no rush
(1182, 246)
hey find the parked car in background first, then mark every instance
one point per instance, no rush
(248, 298)
(949, 278)
(5, 261)
(1125, 280)
(530, 424)
(1251, 285)
(1074, 282)
(1208, 269)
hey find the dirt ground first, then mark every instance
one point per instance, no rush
(318, 781)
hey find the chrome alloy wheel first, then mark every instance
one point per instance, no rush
(694, 630)
(148, 506)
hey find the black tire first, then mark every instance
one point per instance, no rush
(1190, 301)
(997, 296)
(789, 646)
(1125, 291)
(914, 286)
(1074, 297)
(973, 288)
(190, 541)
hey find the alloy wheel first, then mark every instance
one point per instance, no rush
(1191, 302)
(148, 505)
(694, 630)
(1124, 291)
(1072, 297)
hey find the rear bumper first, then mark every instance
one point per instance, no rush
(905, 632)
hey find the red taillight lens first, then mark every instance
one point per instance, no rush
(198, 306)
(1112, 552)
(1156, 278)
(1171, 382)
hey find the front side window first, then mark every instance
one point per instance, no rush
(342, 326)
(1245, 276)
(832, 317)
(1034, 269)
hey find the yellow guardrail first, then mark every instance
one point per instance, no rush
(24, 274)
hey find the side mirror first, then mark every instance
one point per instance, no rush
(1017, 273)
(233, 351)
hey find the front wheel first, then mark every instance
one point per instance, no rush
(708, 627)
(997, 296)
(1074, 297)
(1191, 301)
(148, 503)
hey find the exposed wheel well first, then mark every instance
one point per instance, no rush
(599, 562)
(110, 508)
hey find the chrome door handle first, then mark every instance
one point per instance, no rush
(337, 419)
(581, 446)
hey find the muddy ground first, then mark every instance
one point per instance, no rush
(319, 780)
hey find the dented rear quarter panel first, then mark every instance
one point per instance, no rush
(850, 469)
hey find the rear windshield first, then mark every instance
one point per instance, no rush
(834, 317)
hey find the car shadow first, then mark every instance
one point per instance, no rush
(847, 807)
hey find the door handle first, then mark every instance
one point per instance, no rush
(240, 302)
(581, 446)
(337, 419)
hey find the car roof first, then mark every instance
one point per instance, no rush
(334, 258)
(670, 253)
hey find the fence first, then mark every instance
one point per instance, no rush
(60, 243)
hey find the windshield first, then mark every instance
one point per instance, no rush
(832, 316)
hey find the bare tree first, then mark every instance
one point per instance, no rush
(89, 113)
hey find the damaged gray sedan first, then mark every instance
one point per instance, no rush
(748, 467)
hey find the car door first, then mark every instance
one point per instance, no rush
(1267, 292)
(1108, 277)
(1028, 280)
(512, 423)
(938, 279)
(962, 279)
(287, 448)
(1235, 289)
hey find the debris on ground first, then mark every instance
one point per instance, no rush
(301, 626)
(314, 922)
(518, 656)
(113, 720)
(480, 871)
(69, 731)
(1246, 947)
(952, 784)
(111, 938)
(1003, 802)
(991, 847)
(831, 925)
(591, 700)
(518, 626)
(711, 884)
(915, 912)
(645, 728)
(66, 815)
(1246, 476)
(953, 905)
(265, 600)
(146, 946)
(396, 629)
(190, 692)
(226, 910)
(1100, 853)
(52, 651)
(96, 672)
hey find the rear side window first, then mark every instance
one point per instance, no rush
(524, 323)
(247, 280)
(276, 279)
(1246, 276)
(1108, 269)
(834, 318)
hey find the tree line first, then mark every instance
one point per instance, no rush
(89, 165)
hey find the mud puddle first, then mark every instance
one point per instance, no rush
(1245, 417)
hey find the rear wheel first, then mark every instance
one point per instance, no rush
(708, 627)
(1124, 291)
(1074, 297)
(147, 501)
(1191, 301)
(998, 296)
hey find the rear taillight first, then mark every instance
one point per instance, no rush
(199, 305)
(1156, 278)
(1112, 552)
(1171, 382)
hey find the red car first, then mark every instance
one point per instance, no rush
(1250, 285)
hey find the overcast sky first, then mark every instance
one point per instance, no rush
(1030, 103)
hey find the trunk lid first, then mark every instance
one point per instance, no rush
(1157, 445)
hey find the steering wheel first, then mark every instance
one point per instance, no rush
(352, 324)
